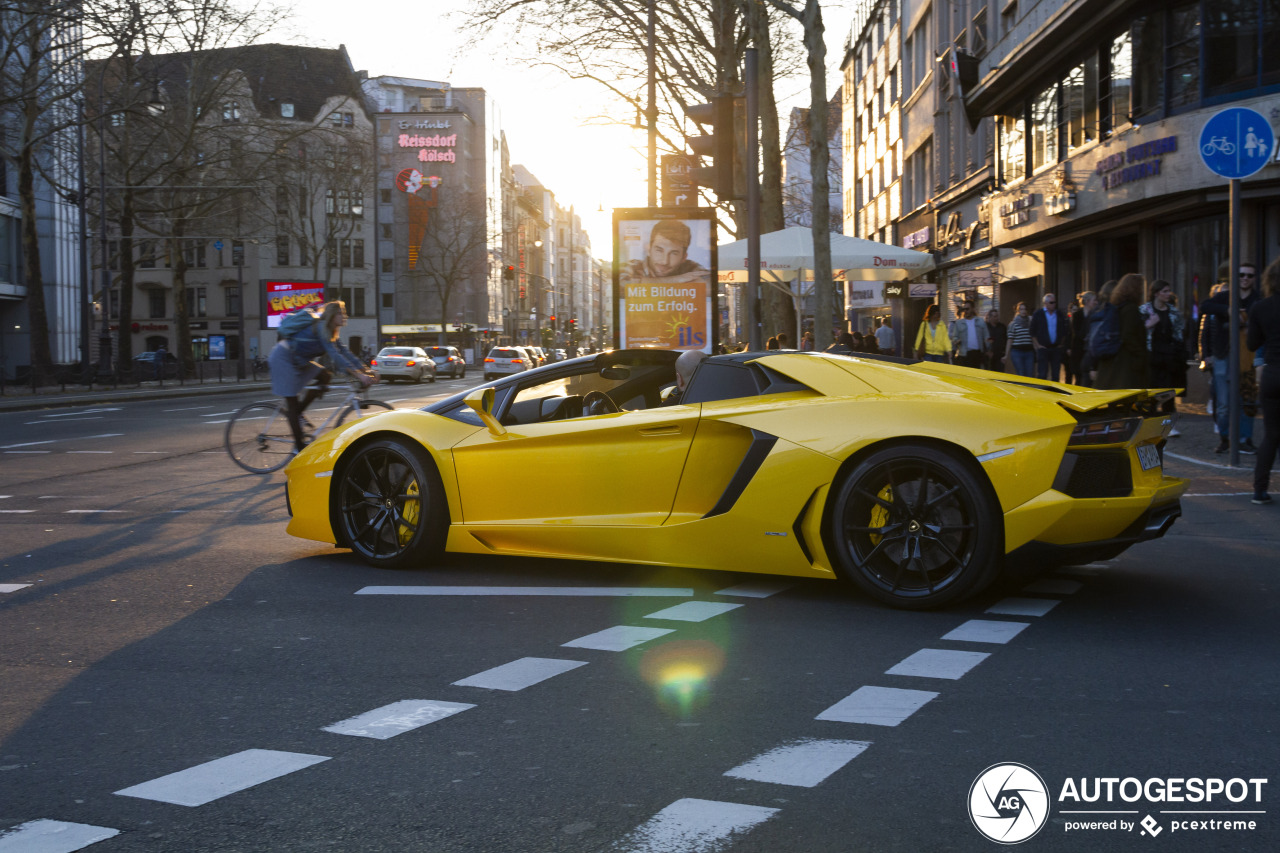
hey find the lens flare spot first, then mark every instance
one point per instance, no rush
(682, 673)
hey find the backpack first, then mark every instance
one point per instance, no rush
(296, 322)
(1104, 333)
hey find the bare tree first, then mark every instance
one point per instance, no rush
(453, 251)
(810, 17)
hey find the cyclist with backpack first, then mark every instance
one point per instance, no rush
(304, 337)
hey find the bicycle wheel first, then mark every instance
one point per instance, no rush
(259, 439)
(367, 407)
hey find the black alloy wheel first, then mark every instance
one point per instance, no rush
(916, 527)
(390, 504)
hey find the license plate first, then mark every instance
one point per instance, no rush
(1148, 456)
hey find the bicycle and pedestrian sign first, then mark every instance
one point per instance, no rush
(1237, 142)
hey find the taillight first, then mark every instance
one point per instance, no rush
(410, 364)
(487, 360)
(373, 363)
(1105, 432)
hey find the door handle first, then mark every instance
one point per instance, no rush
(665, 429)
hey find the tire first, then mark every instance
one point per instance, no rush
(909, 555)
(417, 380)
(348, 411)
(258, 437)
(433, 377)
(389, 506)
(462, 374)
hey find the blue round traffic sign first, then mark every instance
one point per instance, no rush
(1237, 142)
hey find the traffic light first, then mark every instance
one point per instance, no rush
(717, 148)
(509, 272)
(552, 321)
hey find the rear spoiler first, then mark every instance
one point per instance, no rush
(1144, 401)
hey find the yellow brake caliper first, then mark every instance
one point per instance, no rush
(412, 509)
(879, 514)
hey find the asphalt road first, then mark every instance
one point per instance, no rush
(156, 620)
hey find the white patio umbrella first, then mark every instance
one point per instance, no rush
(786, 254)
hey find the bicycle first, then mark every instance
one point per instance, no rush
(259, 438)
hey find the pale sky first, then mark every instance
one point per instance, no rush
(543, 113)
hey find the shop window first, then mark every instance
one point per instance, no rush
(1182, 57)
(1230, 45)
(1044, 128)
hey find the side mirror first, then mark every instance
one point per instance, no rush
(481, 402)
(665, 393)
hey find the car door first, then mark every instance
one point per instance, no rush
(615, 469)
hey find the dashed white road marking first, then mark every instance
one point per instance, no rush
(187, 409)
(694, 611)
(693, 826)
(13, 587)
(53, 836)
(618, 638)
(10, 447)
(397, 718)
(878, 706)
(215, 779)
(87, 511)
(91, 451)
(1023, 606)
(81, 412)
(804, 763)
(986, 631)
(28, 444)
(519, 674)
(938, 663)
(15, 452)
(622, 591)
(68, 420)
(755, 589)
(1053, 586)
(16, 511)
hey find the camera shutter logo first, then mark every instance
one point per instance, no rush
(1008, 803)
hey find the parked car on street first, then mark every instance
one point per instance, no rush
(144, 365)
(411, 364)
(502, 361)
(448, 360)
(910, 480)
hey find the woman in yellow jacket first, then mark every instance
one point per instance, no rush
(932, 341)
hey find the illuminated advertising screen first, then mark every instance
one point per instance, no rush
(664, 278)
(284, 297)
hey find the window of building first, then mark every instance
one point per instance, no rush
(388, 300)
(195, 256)
(1013, 148)
(115, 303)
(282, 200)
(387, 265)
(231, 112)
(282, 250)
(1270, 26)
(113, 254)
(156, 304)
(286, 110)
(1147, 85)
(197, 305)
(1182, 57)
(979, 33)
(384, 196)
(1044, 128)
(304, 252)
(237, 253)
(358, 304)
(1079, 115)
(147, 255)
(357, 253)
(231, 300)
(1231, 45)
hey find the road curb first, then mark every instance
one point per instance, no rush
(55, 399)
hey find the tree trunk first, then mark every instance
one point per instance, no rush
(33, 277)
(820, 164)
(124, 332)
(182, 319)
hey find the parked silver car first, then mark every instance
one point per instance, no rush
(409, 363)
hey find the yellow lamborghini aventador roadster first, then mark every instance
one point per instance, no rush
(912, 480)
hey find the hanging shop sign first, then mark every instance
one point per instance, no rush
(895, 290)
(918, 238)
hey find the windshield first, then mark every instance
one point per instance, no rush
(400, 351)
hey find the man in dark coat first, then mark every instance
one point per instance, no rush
(1050, 334)
(997, 338)
(1215, 348)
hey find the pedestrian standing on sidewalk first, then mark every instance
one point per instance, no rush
(1164, 342)
(161, 353)
(932, 341)
(1131, 366)
(1264, 337)
(1086, 303)
(1217, 315)
(1022, 352)
(997, 341)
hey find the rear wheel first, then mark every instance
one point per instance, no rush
(391, 508)
(915, 527)
(258, 437)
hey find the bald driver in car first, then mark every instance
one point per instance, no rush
(686, 364)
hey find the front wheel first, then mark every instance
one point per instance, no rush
(258, 437)
(915, 527)
(390, 504)
(367, 407)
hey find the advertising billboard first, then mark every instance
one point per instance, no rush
(664, 278)
(284, 297)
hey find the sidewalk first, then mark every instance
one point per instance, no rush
(18, 398)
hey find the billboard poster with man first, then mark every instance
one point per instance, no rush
(285, 297)
(664, 268)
